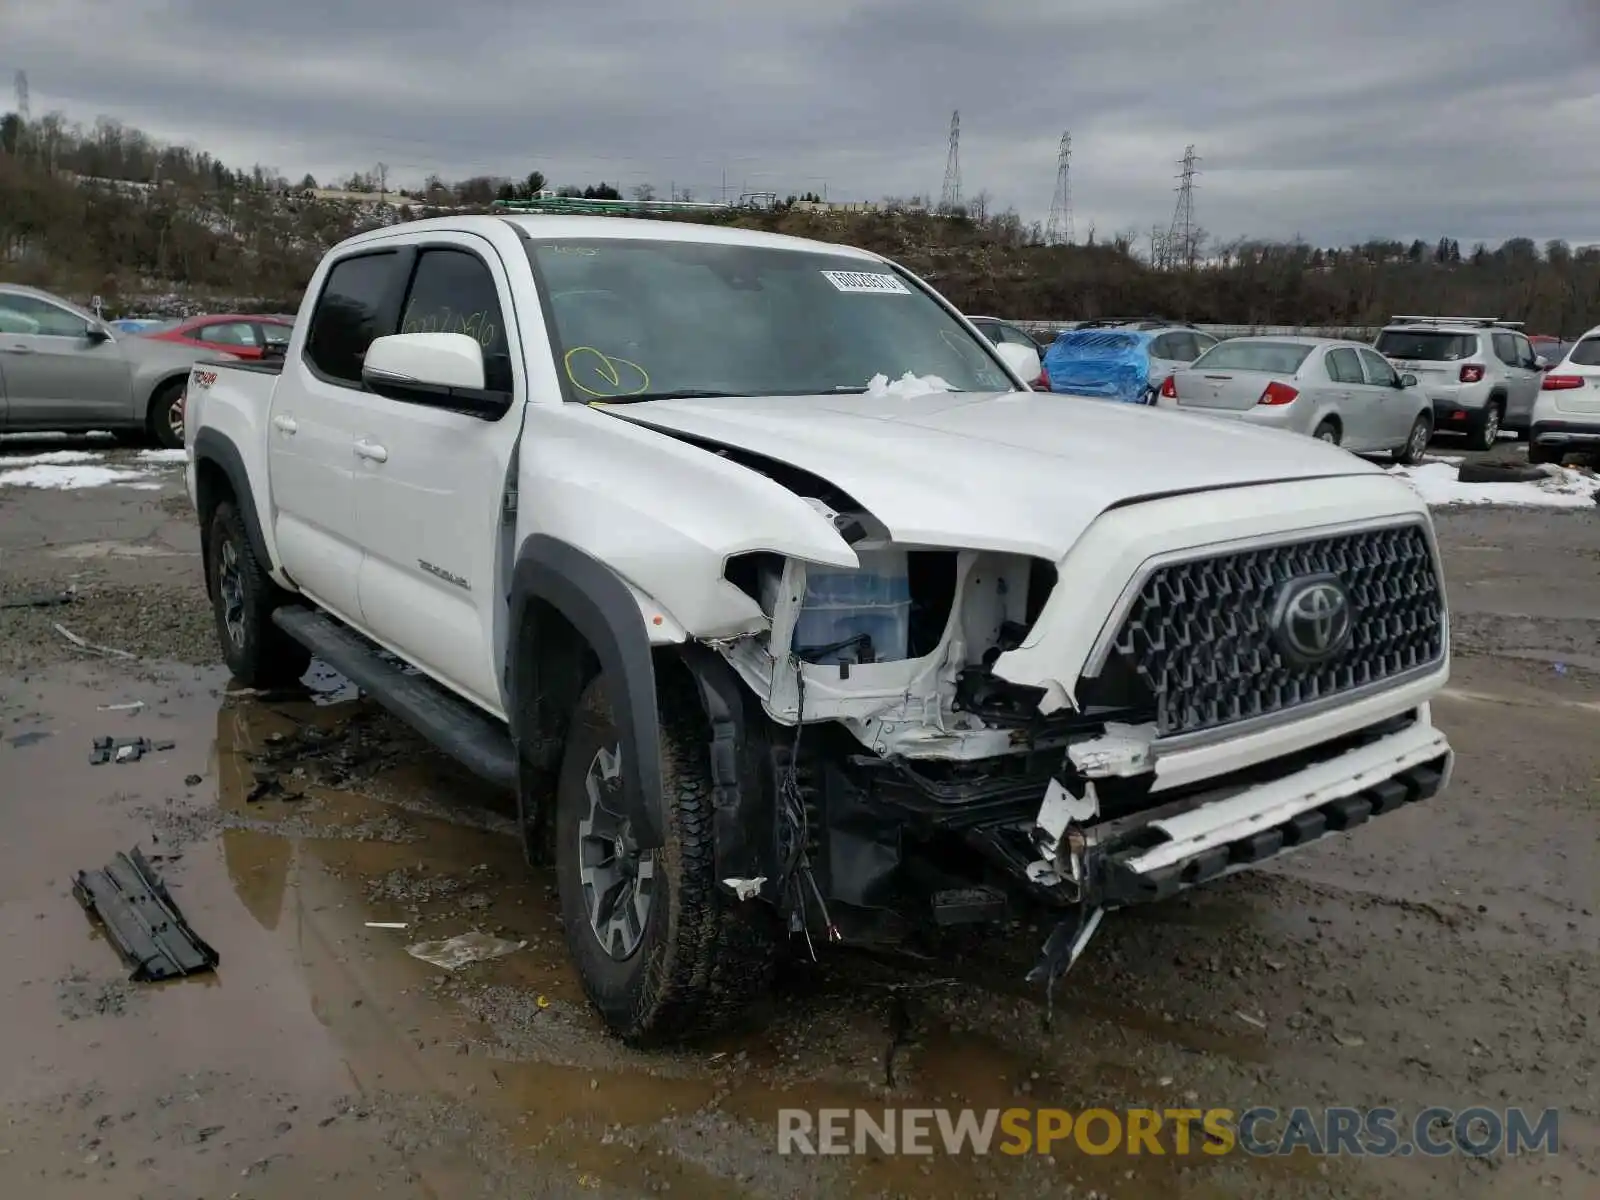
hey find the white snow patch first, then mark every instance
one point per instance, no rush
(164, 456)
(48, 475)
(54, 457)
(907, 385)
(1562, 487)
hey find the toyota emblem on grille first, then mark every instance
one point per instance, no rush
(1311, 620)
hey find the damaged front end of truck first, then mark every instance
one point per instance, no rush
(943, 738)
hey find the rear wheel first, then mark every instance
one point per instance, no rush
(663, 953)
(1416, 444)
(1486, 430)
(166, 414)
(1327, 431)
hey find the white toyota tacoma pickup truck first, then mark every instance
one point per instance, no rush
(785, 607)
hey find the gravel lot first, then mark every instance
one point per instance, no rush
(1444, 955)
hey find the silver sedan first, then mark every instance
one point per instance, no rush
(63, 368)
(1340, 392)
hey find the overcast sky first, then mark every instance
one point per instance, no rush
(1334, 119)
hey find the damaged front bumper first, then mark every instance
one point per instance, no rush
(1096, 864)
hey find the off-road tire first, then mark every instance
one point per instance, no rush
(159, 419)
(262, 655)
(704, 956)
(1410, 452)
(1484, 433)
(1323, 431)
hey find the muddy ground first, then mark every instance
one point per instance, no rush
(1443, 955)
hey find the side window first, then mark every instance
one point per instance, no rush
(990, 331)
(1184, 347)
(1379, 372)
(31, 315)
(1203, 342)
(1525, 355)
(1344, 366)
(346, 318)
(452, 291)
(229, 333)
(1505, 348)
(1017, 338)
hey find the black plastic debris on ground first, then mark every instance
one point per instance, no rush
(45, 600)
(142, 920)
(126, 750)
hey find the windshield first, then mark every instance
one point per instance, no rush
(1427, 346)
(1586, 353)
(639, 319)
(1277, 358)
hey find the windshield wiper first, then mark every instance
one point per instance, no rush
(674, 394)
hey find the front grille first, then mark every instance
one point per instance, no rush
(1197, 646)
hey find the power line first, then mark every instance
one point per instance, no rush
(950, 195)
(1059, 231)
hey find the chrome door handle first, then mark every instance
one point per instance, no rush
(284, 424)
(371, 451)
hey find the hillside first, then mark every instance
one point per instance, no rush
(151, 228)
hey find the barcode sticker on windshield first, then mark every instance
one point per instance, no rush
(866, 281)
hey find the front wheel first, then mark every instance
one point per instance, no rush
(662, 952)
(1410, 453)
(166, 414)
(242, 598)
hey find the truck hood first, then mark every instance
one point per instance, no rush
(1015, 472)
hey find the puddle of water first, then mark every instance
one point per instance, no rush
(310, 1007)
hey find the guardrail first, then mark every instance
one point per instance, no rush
(1351, 333)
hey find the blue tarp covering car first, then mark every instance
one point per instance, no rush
(1109, 364)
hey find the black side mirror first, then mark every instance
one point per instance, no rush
(96, 334)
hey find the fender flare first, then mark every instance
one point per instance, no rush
(213, 447)
(599, 605)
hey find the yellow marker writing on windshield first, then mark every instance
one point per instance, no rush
(607, 368)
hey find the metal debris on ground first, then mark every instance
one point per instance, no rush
(126, 750)
(84, 644)
(463, 949)
(48, 600)
(131, 706)
(141, 920)
(386, 925)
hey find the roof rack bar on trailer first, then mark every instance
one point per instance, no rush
(1482, 322)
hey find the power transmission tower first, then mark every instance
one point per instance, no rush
(22, 97)
(950, 197)
(1058, 231)
(1181, 248)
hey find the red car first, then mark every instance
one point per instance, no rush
(247, 336)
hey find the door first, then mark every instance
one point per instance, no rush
(57, 377)
(430, 485)
(1394, 407)
(1523, 385)
(1349, 397)
(318, 414)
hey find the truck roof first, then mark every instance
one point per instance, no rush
(563, 226)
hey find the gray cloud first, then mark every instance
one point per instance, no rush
(1333, 121)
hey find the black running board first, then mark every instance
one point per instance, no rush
(142, 921)
(467, 734)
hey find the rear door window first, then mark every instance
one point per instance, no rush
(348, 315)
(1182, 347)
(1505, 349)
(1344, 366)
(227, 333)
